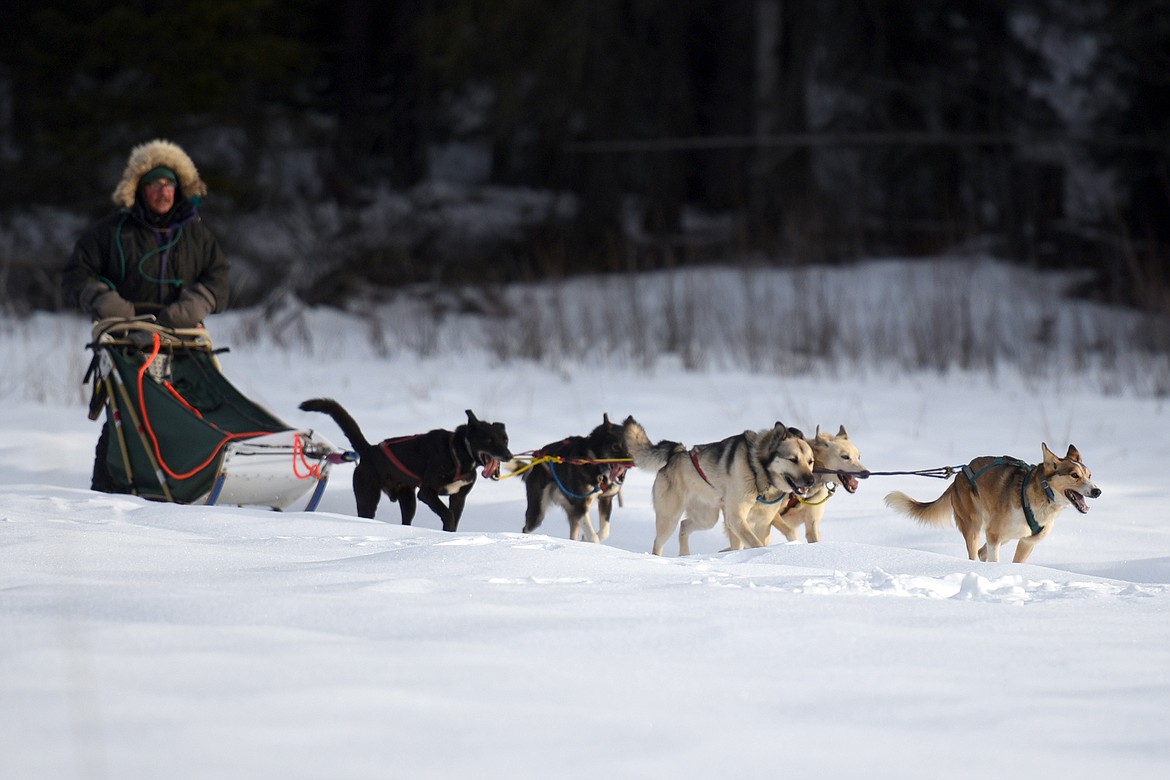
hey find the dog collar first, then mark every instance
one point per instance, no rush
(470, 454)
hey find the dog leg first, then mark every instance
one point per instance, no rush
(583, 520)
(971, 537)
(684, 536)
(1023, 550)
(698, 518)
(534, 515)
(667, 511)
(785, 526)
(738, 525)
(812, 522)
(604, 510)
(664, 525)
(407, 503)
(456, 503)
(431, 499)
(367, 491)
(590, 533)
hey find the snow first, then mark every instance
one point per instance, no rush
(144, 640)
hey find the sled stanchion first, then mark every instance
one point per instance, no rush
(215, 491)
(162, 482)
(116, 423)
(318, 493)
(113, 416)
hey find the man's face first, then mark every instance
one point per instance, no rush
(159, 195)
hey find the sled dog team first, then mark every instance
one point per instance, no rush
(757, 481)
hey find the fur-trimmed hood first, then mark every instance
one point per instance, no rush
(152, 154)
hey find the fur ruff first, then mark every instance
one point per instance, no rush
(152, 154)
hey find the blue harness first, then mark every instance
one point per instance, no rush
(1005, 460)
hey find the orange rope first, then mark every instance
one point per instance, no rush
(182, 400)
(313, 470)
(154, 439)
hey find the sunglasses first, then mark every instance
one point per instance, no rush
(160, 184)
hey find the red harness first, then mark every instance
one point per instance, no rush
(793, 502)
(387, 448)
(698, 468)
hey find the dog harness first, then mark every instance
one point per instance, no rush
(694, 453)
(1005, 460)
(387, 447)
(550, 451)
(795, 500)
(695, 460)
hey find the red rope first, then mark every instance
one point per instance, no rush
(178, 397)
(154, 439)
(312, 471)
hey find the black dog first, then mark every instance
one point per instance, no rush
(436, 463)
(579, 479)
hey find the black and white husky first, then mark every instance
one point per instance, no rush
(584, 470)
(733, 476)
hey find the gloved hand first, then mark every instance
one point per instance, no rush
(143, 339)
(109, 304)
(195, 303)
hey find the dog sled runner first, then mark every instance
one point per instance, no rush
(180, 432)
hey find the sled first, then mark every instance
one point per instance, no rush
(180, 432)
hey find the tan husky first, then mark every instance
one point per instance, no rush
(836, 463)
(731, 476)
(1006, 499)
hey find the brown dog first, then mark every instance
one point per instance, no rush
(1005, 499)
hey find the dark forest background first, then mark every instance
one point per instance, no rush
(663, 132)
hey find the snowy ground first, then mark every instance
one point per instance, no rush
(142, 640)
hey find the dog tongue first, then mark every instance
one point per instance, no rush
(1077, 500)
(491, 469)
(849, 481)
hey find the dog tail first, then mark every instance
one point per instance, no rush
(646, 454)
(343, 419)
(937, 512)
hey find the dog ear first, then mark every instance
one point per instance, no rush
(1074, 454)
(1049, 457)
(842, 434)
(782, 428)
(471, 418)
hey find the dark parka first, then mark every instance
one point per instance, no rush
(135, 262)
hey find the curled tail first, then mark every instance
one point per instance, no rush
(937, 512)
(343, 419)
(646, 454)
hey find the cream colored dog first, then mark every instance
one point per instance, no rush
(836, 462)
(731, 477)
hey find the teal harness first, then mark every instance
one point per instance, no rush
(1005, 460)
